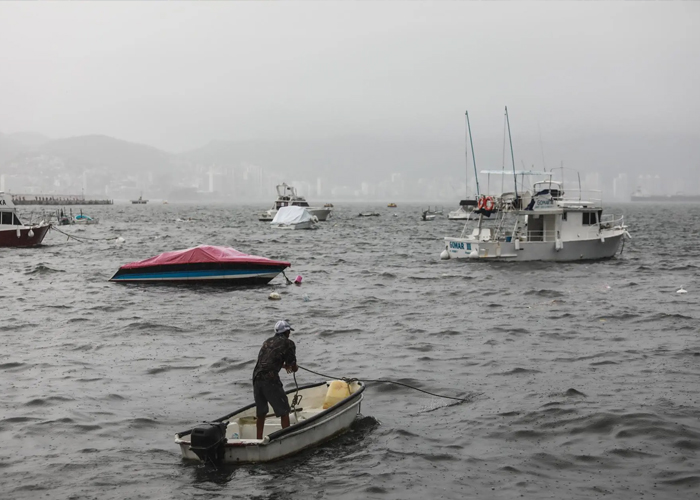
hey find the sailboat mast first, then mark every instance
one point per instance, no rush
(471, 144)
(512, 156)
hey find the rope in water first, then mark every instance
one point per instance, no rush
(381, 381)
(82, 238)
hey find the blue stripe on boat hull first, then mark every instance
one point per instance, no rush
(215, 275)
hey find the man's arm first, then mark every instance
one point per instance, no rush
(291, 362)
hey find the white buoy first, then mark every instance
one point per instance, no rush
(30, 233)
(681, 290)
(274, 296)
(474, 254)
(19, 233)
(444, 255)
(119, 241)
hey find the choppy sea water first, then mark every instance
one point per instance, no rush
(584, 377)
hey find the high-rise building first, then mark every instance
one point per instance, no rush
(621, 189)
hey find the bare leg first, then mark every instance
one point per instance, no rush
(260, 426)
(285, 421)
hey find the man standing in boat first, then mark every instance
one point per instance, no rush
(276, 353)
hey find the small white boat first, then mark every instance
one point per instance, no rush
(427, 216)
(287, 197)
(294, 218)
(319, 412)
(81, 218)
(465, 211)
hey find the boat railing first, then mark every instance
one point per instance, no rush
(541, 235)
(611, 221)
(585, 232)
(581, 197)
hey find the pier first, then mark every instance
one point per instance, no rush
(56, 199)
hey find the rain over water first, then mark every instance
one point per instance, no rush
(582, 378)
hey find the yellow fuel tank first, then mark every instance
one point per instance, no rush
(337, 391)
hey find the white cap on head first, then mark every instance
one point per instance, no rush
(283, 326)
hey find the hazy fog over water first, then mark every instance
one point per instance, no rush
(609, 88)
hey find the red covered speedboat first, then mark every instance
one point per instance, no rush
(15, 234)
(202, 264)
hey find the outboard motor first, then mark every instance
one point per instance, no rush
(207, 441)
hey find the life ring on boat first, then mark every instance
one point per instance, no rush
(480, 205)
(489, 204)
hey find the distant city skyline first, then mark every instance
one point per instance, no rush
(248, 182)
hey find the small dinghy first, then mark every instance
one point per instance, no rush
(202, 264)
(85, 219)
(319, 412)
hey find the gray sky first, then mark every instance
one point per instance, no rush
(177, 75)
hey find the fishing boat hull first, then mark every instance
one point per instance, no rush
(238, 274)
(311, 426)
(601, 248)
(23, 236)
(202, 264)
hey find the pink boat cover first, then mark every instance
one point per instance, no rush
(203, 254)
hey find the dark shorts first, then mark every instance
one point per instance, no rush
(270, 392)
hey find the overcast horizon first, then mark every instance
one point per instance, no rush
(177, 76)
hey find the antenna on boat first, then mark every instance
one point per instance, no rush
(503, 159)
(541, 146)
(512, 156)
(471, 144)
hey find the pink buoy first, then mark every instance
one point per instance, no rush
(297, 280)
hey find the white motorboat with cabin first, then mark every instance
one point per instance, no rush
(548, 224)
(553, 224)
(294, 218)
(319, 412)
(287, 197)
(13, 233)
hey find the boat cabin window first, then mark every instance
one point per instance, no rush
(589, 218)
(301, 204)
(9, 218)
(554, 193)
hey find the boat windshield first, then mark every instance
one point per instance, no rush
(9, 218)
